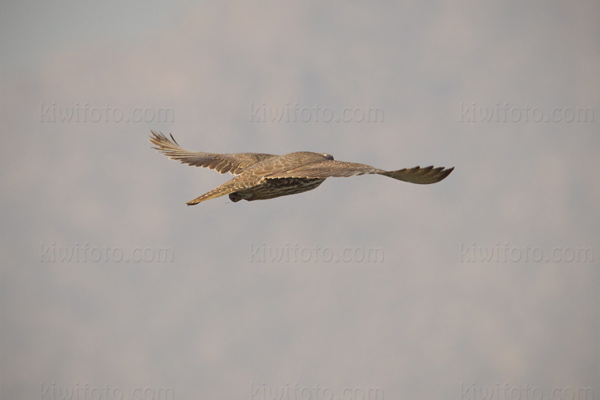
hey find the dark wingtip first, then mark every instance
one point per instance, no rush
(445, 172)
(153, 135)
(160, 140)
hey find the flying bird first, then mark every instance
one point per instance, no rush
(266, 176)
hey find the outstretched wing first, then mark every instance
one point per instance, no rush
(233, 163)
(333, 168)
(422, 176)
(325, 169)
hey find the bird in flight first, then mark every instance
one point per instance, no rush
(266, 176)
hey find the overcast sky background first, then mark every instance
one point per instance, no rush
(433, 319)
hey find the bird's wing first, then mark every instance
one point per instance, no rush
(422, 176)
(325, 169)
(233, 163)
(333, 168)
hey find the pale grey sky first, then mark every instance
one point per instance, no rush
(239, 301)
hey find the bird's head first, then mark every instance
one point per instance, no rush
(327, 156)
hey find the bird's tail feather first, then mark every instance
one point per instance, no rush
(218, 192)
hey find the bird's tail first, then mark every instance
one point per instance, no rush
(218, 192)
(234, 185)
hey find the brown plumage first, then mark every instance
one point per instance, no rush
(266, 176)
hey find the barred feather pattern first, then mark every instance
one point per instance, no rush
(261, 176)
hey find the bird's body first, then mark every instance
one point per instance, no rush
(271, 188)
(266, 176)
